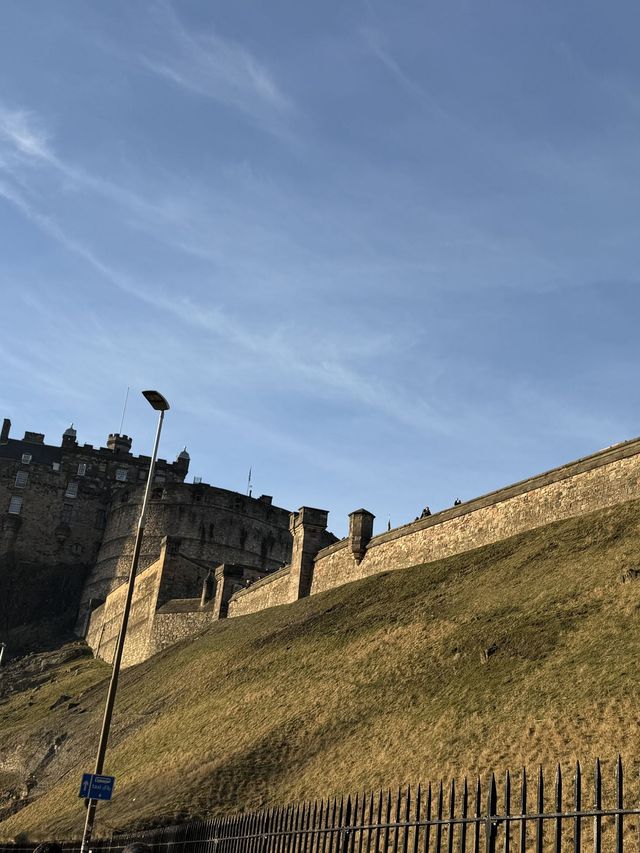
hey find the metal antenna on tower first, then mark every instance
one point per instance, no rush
(124, 409)
(249, 483)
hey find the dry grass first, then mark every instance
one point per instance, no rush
(376, 683)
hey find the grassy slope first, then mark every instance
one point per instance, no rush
(378, 682)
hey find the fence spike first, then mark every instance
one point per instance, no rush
(463, 815)
(452, 810)
(427, 817)
(540, 810)
(378, 821)
(407, 816)
(507, 811)
(558, 806)
(619, 805)
(577, 805)
(363, 820)
(439, 824)
(492, 800)
(369, 821)
(522, 846)
(476, 823)
(597, 819)
(418, 807)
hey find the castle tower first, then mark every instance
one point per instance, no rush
(182, 461)
(308, 527)
(69, 437)
(119, 443)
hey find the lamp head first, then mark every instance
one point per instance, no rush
(156, 400)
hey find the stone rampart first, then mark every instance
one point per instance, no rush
(269, 592)
(214, 525)
(606, 478)
(104, 623)
(178, 621)
(163, 586)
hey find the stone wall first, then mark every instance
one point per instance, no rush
(173, 623)
(214, 525)
(54, 503)
(269, 592)
(104, 623)
(604, 479)
(172, 577)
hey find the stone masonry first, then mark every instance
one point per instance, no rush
(211, 554)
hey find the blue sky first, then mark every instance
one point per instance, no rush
(386, 254)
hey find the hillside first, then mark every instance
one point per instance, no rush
(520, 652)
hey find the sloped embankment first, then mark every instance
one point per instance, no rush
(520, 652)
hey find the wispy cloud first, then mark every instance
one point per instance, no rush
(304, 363)
(375, 42)
(20, 129)
(216, 67)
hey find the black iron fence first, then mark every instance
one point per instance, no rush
(519, 815)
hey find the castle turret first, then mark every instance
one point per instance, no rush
(360, 532)
(69, 437)
(182, 460)
(119, 443)
(308, 527)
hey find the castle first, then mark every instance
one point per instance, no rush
(210, 554)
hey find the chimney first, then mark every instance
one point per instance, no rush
(6, 429)
(119, 443)
(360, 532)
(34, 437)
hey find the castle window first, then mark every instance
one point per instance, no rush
(22, 478)
(101, 518)
(26, 458)
(124, 497)
(121, 474)
(82, 469)
(67, 512)
(156, 494)
(15, 505)
(72, 489)
(55, 466)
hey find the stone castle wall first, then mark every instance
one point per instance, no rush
(165, 610)
(171, 580)
(604, 479)
(214, 525)
(104, 624)
(271, 591)
(170, 627)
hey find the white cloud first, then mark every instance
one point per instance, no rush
(215, 67)
(21, 130)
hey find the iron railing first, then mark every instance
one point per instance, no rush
(520, 816)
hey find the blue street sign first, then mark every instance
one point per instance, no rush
(96, 787)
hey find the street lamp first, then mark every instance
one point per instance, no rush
(157, 402)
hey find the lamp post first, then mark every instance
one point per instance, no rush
(157, 402)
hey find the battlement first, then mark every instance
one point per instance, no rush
(117, 447)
